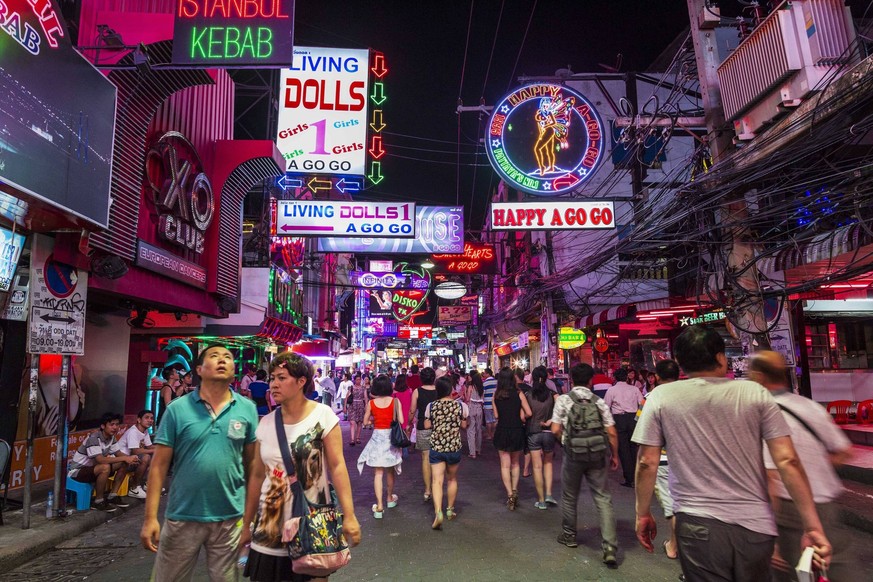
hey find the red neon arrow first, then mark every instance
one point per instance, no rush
(379, 69)
(376, 150)
(564, 181)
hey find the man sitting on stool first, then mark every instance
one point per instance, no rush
(137, 442)
(98, 459)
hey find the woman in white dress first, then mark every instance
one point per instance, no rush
(379, 453)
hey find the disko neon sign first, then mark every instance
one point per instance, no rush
(545, 139)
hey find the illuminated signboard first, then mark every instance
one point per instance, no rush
(569, 338)
(412, 299)
(478, 258)
(323, 111)
(708, 317)
(455, 315)
(242, 33)
(414, 331)
(352, 219)
(545, 139)
(378, 280)
(570, 215)
(10, 251)
(57, 117)
(438, 229)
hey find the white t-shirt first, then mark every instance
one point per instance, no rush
(345, 388)
(305, 439)
(133, 439)
(826, 485)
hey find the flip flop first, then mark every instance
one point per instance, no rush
(676, 557)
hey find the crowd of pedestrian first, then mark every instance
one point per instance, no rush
(750, 480)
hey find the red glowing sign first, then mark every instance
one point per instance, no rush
(478, 258)
(234, 33)
(414, 331)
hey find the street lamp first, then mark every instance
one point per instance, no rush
(427, 264)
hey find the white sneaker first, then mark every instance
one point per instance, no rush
(137, 492)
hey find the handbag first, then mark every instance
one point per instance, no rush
(314, 535)
(398, 435)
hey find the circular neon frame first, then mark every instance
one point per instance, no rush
(545, 139)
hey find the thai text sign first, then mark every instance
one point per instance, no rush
(343, 218)
(323, 111)
(233, 33)
(438, 229)
(570, 215)
(545, 139)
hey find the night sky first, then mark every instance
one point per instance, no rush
(424, 45)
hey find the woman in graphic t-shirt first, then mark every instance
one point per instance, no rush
(379, 453)
(445, 417)
(315, 441)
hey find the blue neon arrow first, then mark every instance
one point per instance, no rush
(286, 182)
(344, 186)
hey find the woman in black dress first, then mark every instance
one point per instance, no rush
(510, 410)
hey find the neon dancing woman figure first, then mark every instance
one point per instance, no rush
(553, 122)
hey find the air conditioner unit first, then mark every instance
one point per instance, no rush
(785, 59)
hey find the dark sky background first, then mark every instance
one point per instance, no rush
(424, 45)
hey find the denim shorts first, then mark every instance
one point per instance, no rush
(489, 416)
(447, 458)
(544, 441)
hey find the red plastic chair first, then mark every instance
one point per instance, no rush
(865, 412)
(839, 409)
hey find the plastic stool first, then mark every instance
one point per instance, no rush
(82, 491)
(122, 489)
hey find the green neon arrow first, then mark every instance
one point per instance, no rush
(375, 174)
(378, 96)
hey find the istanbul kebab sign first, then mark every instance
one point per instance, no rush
(570, 215)
(343, 218)
(233, 33)
(545, 139)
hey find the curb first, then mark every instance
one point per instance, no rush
(35, 542)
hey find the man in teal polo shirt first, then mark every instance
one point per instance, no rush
(209, 436)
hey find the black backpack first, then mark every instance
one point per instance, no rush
(585, 436)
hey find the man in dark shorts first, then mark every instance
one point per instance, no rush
(98, 459)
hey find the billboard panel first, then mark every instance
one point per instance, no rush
(570, 215)
(323, 111)
(438, 229)
(57, 114)
(341, 217)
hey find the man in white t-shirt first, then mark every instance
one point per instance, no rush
(137, 442)
(713, 427)
(345, 388)
(822, 446)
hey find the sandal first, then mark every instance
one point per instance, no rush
(451, 513)
(427, 497)
(377, 513)
(392, 501)
(512, 502)
(438, 521)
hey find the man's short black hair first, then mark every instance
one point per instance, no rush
(202, 355)
(581, 374)
(667, 370)
(109, 417)
(381, 386)
(428, 375)
(696, 349)
(772, 374)
(489, 371)
(143, 412)
(413, 369)
(621, 375)
(519, 373)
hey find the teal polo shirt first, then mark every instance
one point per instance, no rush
(208, 473)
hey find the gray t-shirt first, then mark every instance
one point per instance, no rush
(713, 428)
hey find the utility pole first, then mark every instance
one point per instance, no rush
(719, 140)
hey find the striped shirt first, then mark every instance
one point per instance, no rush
(490, 386)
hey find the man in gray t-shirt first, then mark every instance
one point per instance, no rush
(713, 428)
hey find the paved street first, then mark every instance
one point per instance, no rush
(486, 542)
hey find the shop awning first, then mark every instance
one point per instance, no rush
(606, 315)
(838, 308)
(509, 328)
(827, 246)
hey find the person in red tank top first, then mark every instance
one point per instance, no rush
(378, 453)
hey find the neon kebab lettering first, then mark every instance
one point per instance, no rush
(22, 32)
